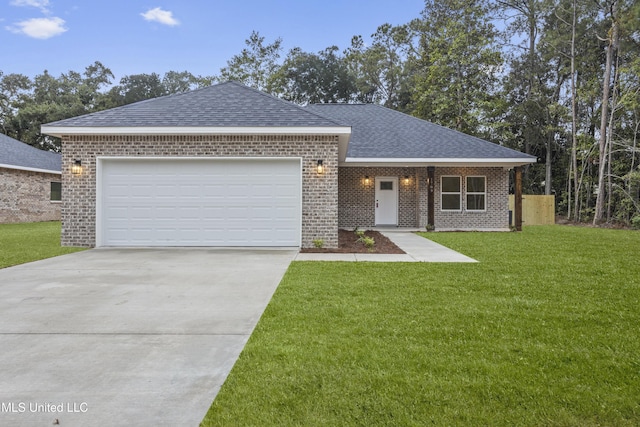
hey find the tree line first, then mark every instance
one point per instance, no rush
(558, 79)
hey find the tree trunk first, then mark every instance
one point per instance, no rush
(574, 115)
(569, 184)
(606, 87)
(547, 178)
(614, 102)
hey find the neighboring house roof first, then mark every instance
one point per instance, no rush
(220, 107)
(18, 155)
(381, 135)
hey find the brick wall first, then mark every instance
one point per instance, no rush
(356, 199)
(319, 192)
(25, 196)
(496, 215)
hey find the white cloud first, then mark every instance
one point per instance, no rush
(162, 16)
(40, 4)
(39, 28)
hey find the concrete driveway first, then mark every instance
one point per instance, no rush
(136, 337)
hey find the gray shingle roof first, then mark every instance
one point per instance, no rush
(18, 155)
(223, 105)
(379, 132)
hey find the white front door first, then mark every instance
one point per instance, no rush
(386, 200)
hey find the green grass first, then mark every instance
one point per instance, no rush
(544, 331)
(20, 243)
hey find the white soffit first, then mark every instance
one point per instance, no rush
(195, 130)
(485, 162)
(24, 168)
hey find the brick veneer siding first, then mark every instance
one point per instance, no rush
(25, 196)
(356, 199)
(496, 215)
(319, 192)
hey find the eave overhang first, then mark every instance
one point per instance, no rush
(343, 132)
(195, 130)
(441, 162)
(25, 168)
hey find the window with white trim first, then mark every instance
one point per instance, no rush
(476, 193)
(450, 193)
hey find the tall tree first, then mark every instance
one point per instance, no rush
(137, 87)
(526, 18)
(384, 68)
(15, 91)
(309, 78)
(178, 82)
(458, 64)
(611, 11)
(255, 64)
(56, 98)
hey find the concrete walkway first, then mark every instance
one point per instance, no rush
(417, 248)
(127, 337)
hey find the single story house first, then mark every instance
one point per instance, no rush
(229, 165)
(30, 183)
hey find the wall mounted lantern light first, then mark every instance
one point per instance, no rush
(320, 167)
(367, 180)
(76, 168)
(406, 179)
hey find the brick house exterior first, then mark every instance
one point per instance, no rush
(26, 177)
(357, 198)
(342, 149)
(319, 196)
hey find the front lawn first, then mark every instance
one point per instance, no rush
(20, 243)
(543, 331)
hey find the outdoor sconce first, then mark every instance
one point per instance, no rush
(406, 179)
(367, 180)
(76, 168)
(320, 167)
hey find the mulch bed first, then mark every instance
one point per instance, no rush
(348, 244)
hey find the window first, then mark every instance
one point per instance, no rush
(451, 193)
(56, 191)
(476, 193)
(386, 185)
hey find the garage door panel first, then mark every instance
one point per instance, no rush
(189, 202)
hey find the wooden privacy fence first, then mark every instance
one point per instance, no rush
(536, 210)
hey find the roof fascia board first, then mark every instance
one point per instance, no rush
(494, 162)
(25, 168)
(177, 130)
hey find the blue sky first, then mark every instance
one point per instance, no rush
(145, 36)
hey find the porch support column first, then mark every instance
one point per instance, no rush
(431, 197)
(518, 198)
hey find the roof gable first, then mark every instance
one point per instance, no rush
(223, 105)
(15, 154)
(381, 133)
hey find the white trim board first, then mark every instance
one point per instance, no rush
(24, 168)
(442, 162)
(195, 130)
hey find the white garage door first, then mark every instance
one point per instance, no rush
(198, 202)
